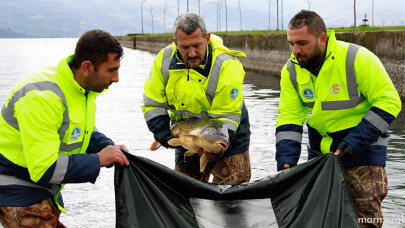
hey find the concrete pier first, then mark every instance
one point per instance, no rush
(267, 53)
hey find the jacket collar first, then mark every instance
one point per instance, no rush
(331, 45)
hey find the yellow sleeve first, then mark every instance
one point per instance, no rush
(375, 84)
(228, 100)
(39, 115)
(154, 87)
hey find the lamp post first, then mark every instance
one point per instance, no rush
(216, 3)
(277, 18)
(282, 27)
(226, 17)
(372, 13)
(142, 14)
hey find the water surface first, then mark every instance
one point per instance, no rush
(120, 117)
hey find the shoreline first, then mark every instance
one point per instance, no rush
(268, 52)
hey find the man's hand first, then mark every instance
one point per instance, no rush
(345, 152)
(113, 154)
(166, 139)
(286, 166)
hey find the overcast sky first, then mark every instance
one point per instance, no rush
(120, 17)
(336, 13)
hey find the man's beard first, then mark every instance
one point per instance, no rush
(189, 66)
(311, 59)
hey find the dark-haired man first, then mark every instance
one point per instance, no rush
(352, 102)
(47, 133)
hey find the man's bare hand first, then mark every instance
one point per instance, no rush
(113, 154)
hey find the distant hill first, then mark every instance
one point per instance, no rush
(9, 33)
(57, 18)
(60, 18)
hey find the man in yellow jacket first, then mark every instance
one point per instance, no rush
(47, 133)
(352, 102)
(198, 77)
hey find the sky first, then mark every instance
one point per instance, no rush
(60, 18)
(336, 13)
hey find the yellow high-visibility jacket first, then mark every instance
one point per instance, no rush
(45, 127)
(352, 99)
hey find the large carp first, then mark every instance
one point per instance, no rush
(206, 137)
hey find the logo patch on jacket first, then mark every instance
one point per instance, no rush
(75, 134)
(234, 93)
(336, 88)
(308, 93)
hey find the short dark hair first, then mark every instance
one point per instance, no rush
(312, 20)
(94, 46)
(188, 23)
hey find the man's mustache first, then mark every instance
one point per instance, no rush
(193, 58)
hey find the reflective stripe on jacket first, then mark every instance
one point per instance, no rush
(45, 128)
(352, 87)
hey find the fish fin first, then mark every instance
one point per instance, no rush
(174, 142)
(189, 153)
(155, 145)
(203, 162)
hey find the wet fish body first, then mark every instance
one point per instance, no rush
(202, 136)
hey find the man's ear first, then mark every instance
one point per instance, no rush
(207, 37)
(323, 39)
(87, 68)
(174, 40)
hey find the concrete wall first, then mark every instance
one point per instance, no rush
(267, 53)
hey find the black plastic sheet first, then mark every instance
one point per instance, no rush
(313, 194)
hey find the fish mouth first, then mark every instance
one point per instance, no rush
(222, 145)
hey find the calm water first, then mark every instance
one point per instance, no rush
(120, 117)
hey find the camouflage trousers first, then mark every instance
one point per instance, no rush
(368, 188)
(44, 214)
(230, 170)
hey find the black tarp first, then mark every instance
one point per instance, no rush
(313, 194)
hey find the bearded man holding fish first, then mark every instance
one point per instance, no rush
(199, 81)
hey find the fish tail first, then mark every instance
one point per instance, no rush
(155, 145)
